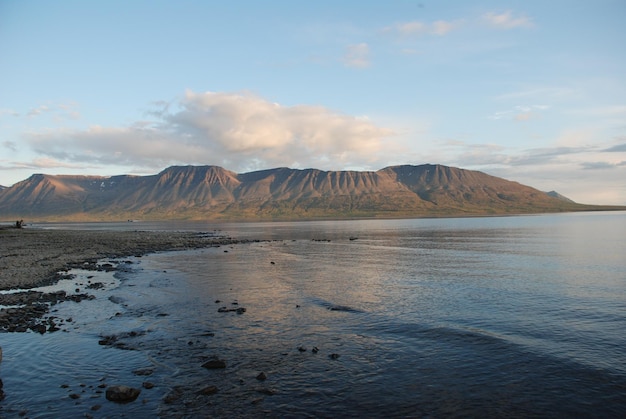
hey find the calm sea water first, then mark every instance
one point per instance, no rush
(477, 317)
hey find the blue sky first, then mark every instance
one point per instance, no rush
(531, 91)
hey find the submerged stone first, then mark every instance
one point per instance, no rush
(214, 364)
(122, 394)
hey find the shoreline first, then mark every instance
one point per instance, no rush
(32, 258)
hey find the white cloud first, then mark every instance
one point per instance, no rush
(416, 27)
(411, 28)
(504, 20)
(507, 20)
(441, 27)
(520, 113)
(11, 112)
(38, 110)
(357, 55)
(39, 164)
(238, 131)
(540, 93)
(58, 110)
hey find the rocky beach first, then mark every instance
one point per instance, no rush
(31, 258)
(34, 257)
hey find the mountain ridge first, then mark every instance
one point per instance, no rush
(215, 193)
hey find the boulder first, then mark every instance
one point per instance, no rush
(122, 394)
(214, 364)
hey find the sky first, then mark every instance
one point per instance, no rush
(531, 91)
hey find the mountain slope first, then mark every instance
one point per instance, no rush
(211, 192)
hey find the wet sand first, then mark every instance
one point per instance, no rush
(33, 257)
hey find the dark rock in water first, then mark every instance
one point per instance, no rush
(106, 267)
(239, 310)
(147, 385)
(144, 371)
(107, 340)
(261, 376)
(74, 396)
(266, 391)
(96, 407)
(39, 328)
(173, 395)
(315, 350)
(301, 348)
(333, 356)
(122, 394)
(209, 390)
(214, 364)
(115, 340)
(340, 308)
(116, 300)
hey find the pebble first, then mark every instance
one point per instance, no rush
(209, 390)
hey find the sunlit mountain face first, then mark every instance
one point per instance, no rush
(212, 192)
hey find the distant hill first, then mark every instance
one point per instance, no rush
(212, 192)
(557, 195)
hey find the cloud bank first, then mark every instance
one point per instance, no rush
(239, 131)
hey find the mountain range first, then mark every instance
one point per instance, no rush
(214, 193)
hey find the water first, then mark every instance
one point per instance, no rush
(480, 317)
